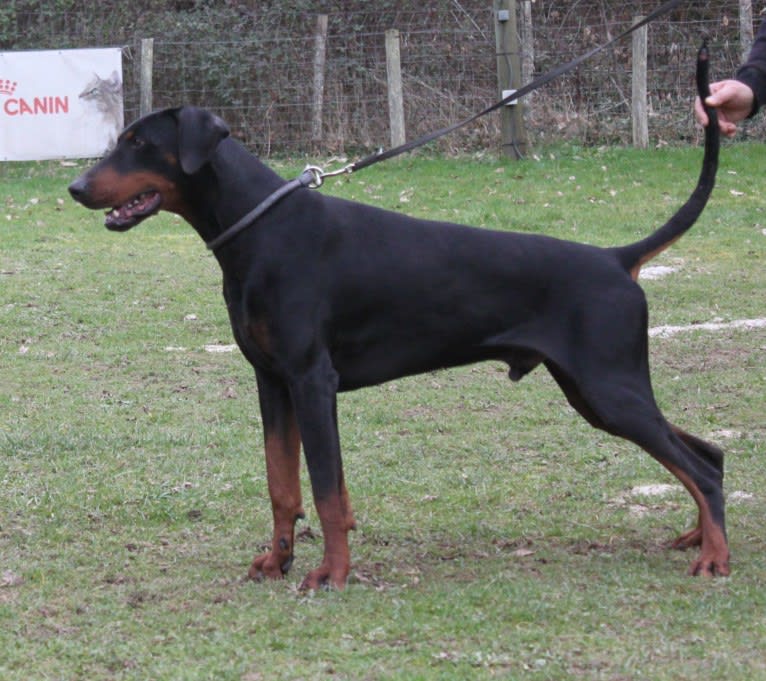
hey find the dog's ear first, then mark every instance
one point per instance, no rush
(199, 133)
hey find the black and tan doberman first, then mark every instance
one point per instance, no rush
(327, 295)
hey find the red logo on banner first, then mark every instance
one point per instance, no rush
(18, 106)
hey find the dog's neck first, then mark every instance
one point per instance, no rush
(234, 178)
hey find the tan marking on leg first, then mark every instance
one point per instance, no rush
(336, 563)
(691, 538)
(345, 503)
(714, 550)
(283, 473)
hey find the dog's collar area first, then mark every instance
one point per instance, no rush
(308, 178)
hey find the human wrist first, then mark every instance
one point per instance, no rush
(754, 79)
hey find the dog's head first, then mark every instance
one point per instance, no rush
(145, 172)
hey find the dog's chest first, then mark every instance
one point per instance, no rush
(250, 327)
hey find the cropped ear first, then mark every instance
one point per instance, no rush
(199, 133)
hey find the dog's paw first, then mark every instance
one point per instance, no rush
(269, 566)
(688, 540)
(710, 566)
(325, 578)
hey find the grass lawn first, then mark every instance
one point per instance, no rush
(499, 535)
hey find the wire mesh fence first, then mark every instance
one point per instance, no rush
(253, 63)
(267, 98)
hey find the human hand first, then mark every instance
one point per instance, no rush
(733, 100)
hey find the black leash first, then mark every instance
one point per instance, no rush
(313, 176)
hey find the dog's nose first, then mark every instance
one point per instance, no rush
(78, 189)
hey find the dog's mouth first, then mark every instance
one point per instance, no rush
(140, 207)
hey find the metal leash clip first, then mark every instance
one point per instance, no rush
(318, 175)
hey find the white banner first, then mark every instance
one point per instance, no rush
(59, 103)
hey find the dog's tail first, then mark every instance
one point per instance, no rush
(635, 255)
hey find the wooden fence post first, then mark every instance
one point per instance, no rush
(745, 27)
(147, 61)
(320, 59)
(514, 138)
(395, 93)
(639, 104)
(527, 49)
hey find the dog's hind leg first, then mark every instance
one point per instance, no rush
(715, 456)
(623, 405)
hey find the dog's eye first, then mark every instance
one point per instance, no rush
(136, 142)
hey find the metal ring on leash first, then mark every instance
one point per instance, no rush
(318, 175)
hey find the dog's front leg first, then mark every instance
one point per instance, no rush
(314, 396)
(283, 443)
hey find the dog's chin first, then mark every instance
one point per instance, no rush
(122, 218)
